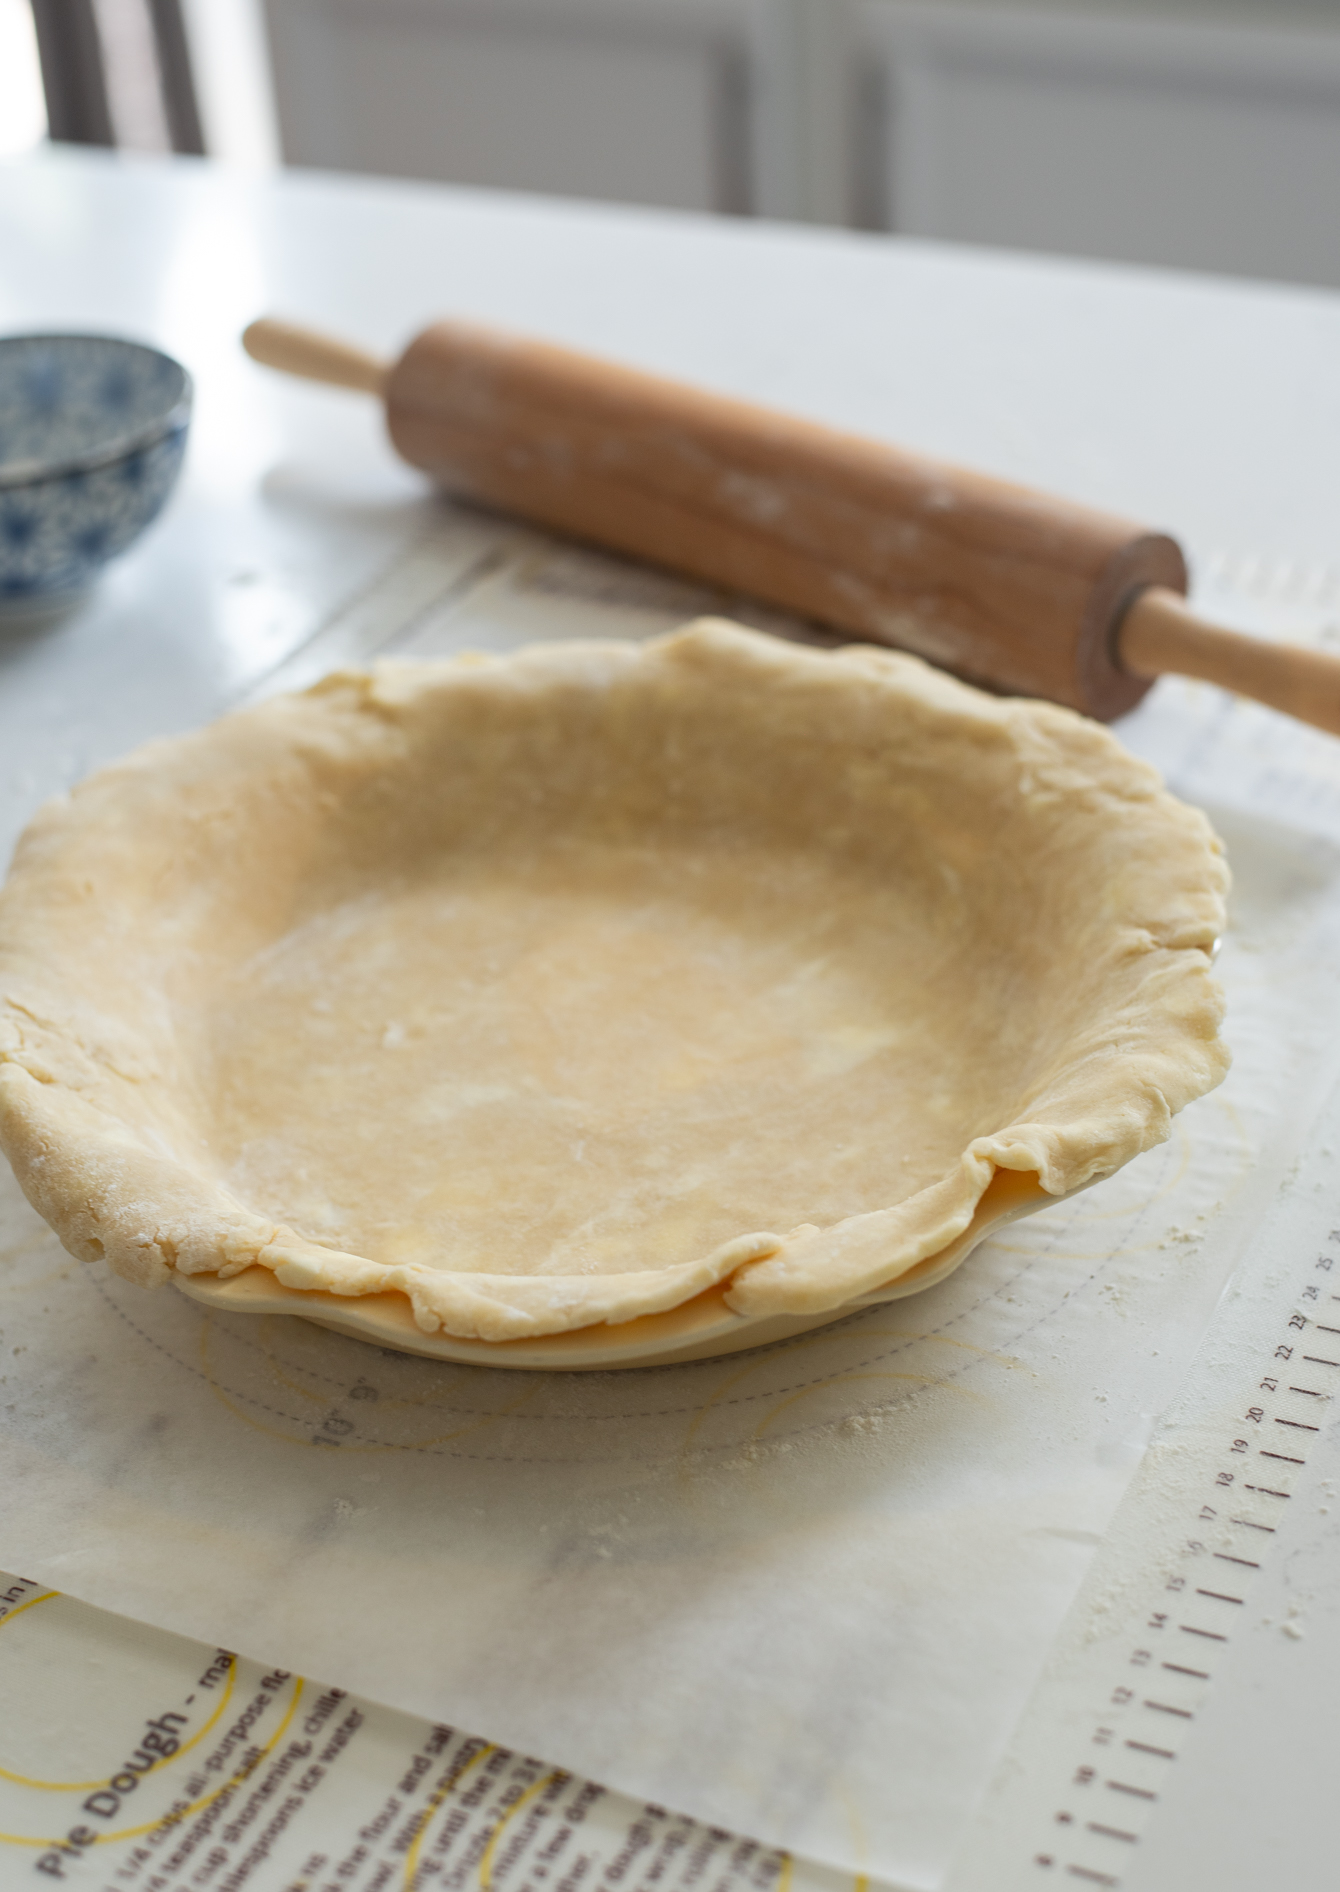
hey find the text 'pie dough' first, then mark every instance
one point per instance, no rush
(555, 988)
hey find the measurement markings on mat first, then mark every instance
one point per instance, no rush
(1085, 1843)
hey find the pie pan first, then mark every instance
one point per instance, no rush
(698, 1329)
(599, 1004)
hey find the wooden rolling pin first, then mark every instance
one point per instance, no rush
(1008, 587)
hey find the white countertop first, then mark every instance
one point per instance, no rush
(1208, 408)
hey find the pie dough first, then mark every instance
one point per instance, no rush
(556, 988)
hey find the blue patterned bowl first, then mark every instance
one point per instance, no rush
(92, 433)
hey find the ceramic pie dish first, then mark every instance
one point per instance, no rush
(599, 1004)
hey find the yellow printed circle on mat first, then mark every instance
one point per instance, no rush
(83, 1786)
(187, 1812)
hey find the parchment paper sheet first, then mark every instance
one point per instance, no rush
(801, 1593)
(261, 1780)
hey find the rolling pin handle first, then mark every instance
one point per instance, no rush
(315, 357)
(1161, 633)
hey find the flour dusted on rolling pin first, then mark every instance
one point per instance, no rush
(1008, 587)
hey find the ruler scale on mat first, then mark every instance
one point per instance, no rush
(1106, 1752)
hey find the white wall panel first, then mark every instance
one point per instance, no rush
(1185, 141)
(1147, 141)
(621, 103)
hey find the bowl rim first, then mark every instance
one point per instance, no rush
(18, 473)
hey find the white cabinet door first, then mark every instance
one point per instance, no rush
(641, 101)
(1142, 140)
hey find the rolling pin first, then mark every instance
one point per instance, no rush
(1009, 588)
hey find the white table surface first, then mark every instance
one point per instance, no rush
(1205, 407)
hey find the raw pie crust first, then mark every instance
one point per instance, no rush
(553, 989)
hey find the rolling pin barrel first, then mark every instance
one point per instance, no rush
(1007, 587)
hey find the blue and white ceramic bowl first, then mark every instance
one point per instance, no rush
(92, 433)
